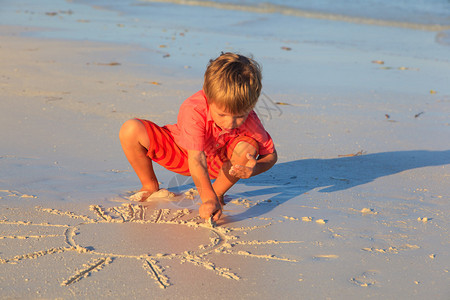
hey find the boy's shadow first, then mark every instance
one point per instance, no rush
(288, 180)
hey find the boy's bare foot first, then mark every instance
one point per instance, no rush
(143, 196)
(140, 196)
(161, 193)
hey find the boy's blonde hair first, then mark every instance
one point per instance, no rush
(233, 82)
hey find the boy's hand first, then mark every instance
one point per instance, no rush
(244, 171)
(210, 208)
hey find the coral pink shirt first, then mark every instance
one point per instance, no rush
(196, 130)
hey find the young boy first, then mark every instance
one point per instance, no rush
(217, 135)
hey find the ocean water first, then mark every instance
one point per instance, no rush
(426, 15)
(412, 11)
(294, 40)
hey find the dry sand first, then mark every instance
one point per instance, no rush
(356, 208)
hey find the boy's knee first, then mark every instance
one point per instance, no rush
(130, 128)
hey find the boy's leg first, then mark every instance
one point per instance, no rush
(224, 180)
(135, 142)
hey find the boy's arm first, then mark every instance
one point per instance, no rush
(199, 172)
(254, 167)
(265, 162)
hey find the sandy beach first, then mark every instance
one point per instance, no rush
(356, 208)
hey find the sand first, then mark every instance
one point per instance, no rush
(357, 206)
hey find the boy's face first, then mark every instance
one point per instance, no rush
(226, 120)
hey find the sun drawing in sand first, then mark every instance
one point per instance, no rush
(82, 239)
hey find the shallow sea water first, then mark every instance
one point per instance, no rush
(291, 41)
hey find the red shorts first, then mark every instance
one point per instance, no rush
(164, 151)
